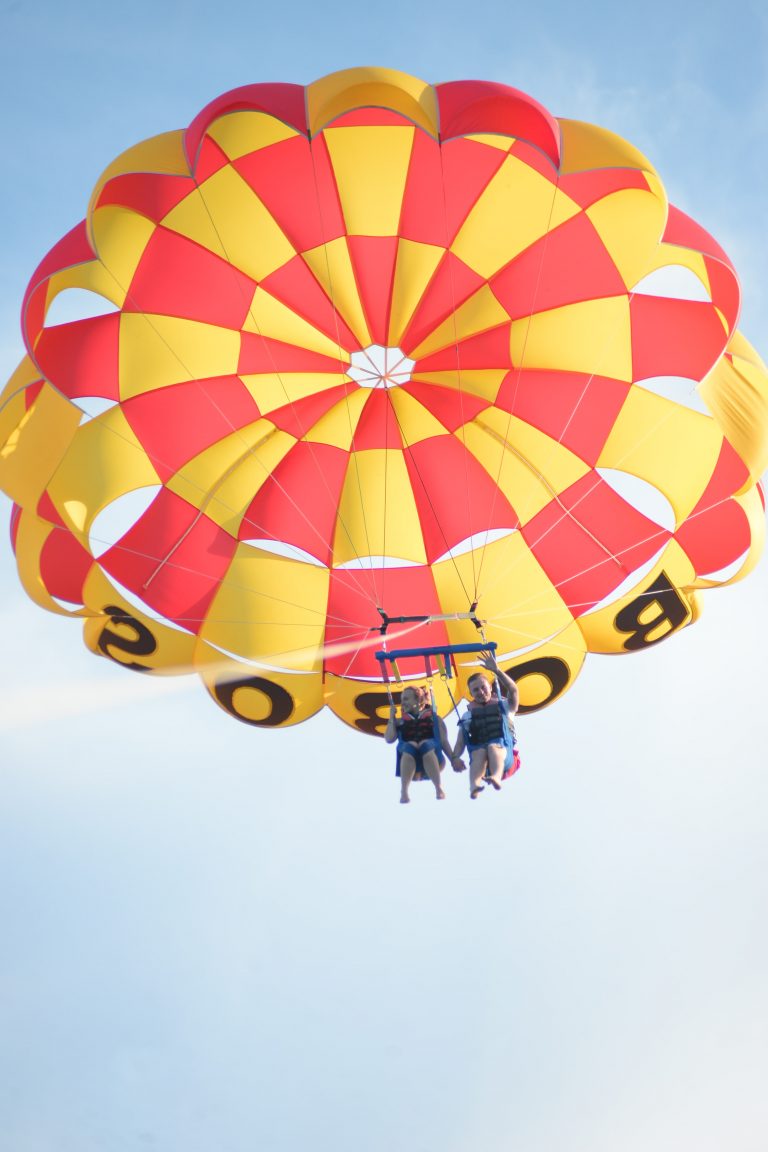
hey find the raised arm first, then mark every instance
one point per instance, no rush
(506, 683)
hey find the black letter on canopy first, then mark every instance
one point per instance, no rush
(673, 610)
(552, 668)
(279, 698)
(369, 703)
(142, 643)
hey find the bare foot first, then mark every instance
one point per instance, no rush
(405, 799)
(494, 783)
(476, 792)
(440, 795)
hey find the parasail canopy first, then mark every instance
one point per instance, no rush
(379, 347)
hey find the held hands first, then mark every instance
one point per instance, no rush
(457, 764)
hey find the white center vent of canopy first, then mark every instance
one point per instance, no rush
(376, 366)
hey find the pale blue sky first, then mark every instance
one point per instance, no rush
(216, 938)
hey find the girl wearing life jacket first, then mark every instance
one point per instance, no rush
(421, 740)
(485, 728)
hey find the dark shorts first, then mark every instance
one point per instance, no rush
(417, 751)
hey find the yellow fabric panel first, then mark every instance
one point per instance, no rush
(119, 237)
(239, 133)
(273, 390)
(228, 218)
(666, 444)
(341, 92)
(500, 142)
(269, 317)
(337, 426)
(599, 627)
(586, 146)
(32, 535)
(91, 277)
(415, 266)
(528, 466)
(737, 395)
(173, 654)
(414, 420)
(332, 268)
(630, 223)
(105, 461)
(156, 351)
(371, 167)
(34, 441)
(270, 609)
(477, 314)
(514, 596)
(222, 480)
(518, 206)
(669, 256)
(163, 154)
(362, 529)
(483, 382)
(593, 336)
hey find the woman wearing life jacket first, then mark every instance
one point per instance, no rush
(485, 728)
(421, 740)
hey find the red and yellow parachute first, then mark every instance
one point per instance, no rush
(374, 346)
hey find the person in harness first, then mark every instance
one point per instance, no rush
(486, 730)
(421, 741)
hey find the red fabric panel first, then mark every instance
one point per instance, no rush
(576, 410)
(486, 350)
(175, 424)
(185, 585)
(377, 426)
(299, 417)
(81, 358)
(725, 290)
(565, 266)
(210, 159)
(686, 233)
(674, 337)
(352, 600)
(588, 187)
(717, 531)
(468, 167)
(295, 181)
(74, 248)
(31, 393)
(263, 354)
(578, 567)
(455, 496)
(451, 407)
(373, 260)
(298, 503)
(452, 284)
(442, 186)
(470, 106)
(64, 566)
(176, 277)
(283, 101)
(534, 159)
(714, 537)
(150, 194)
(46, 510)
(295, 286)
